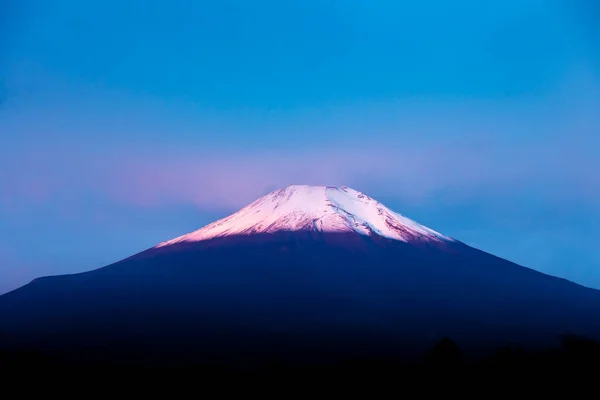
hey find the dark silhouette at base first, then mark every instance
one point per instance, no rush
(573, 355)
(444, 353)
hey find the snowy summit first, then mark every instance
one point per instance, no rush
(315, 208)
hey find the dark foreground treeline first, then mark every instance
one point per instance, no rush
(576, 355)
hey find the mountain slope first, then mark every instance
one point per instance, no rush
(300, 273)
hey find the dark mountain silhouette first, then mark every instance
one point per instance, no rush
(321, 292)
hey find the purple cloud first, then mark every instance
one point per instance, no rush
(228, 180)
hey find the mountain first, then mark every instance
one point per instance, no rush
(303, 273)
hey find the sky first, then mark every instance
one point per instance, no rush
(126, 123)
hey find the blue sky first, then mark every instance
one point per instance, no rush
(123, 124)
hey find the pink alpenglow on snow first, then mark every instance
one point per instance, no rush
(315, 208)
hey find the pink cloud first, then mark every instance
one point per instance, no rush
(220, 180)
(225, 181)
(233, 180)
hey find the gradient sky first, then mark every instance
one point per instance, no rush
(126, 123)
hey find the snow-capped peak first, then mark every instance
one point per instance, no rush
(316, 208)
